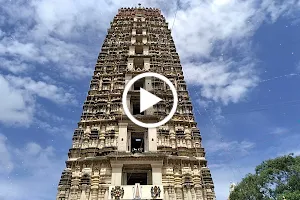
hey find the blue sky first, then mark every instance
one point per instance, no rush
(240, 59)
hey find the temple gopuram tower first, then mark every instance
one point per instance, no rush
(111, 158)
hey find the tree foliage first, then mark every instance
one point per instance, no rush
(274, 179)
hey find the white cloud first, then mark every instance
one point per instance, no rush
(59, 131)
(33, 164)
(1, 33)
(203, 103)
(6, 164)
(55, 55)
(279, 130)
(62, 35)
(44, 114)
(15, 103)
(71, 59)
(45, 43)
(18, 98)
(26, 51)
(214, 114)
(222, 81)
(203, 23)
(14, 66)
(42, 89)
(205, 30)
(275, 9)
(222, 147)
(72, 17)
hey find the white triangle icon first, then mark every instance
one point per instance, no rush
(147, 99)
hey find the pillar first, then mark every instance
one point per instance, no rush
(130, 64)
(144, 31)
(116, 175)
(189, 194)
(106, 194)
(166, 194)
(67, 193)
(122, 139)
(131, 50)
(148, 87)
(128, 141)
(174, 193)
(170, 192)
(127, 78)
(148, 83)
(199, 194)
(144, 40)
(133, 32)
(178, 192)
(185, 196)
(129, 104)
(146, 50)
(133, 40)
(83, 195)
(152, 139)
(100, 195)
(94, 193)
(156, 173)
(146, 146)
(146, 63)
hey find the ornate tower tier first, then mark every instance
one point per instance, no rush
(111, 157)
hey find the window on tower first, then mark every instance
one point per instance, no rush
(132, 175)
(139, 84)
(139, 31)
(134, 178)
(137, 145)
(137, 142)
(139, 63)
(136, 109)
(139, 50)
(139, 38)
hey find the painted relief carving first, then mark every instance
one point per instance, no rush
(155, 192)
(117, 193)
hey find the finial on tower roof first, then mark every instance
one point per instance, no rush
(140, 5)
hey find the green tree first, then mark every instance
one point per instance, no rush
(274, 179)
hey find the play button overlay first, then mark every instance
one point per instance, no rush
(147, 100)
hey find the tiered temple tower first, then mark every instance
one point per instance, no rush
(112, 158)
